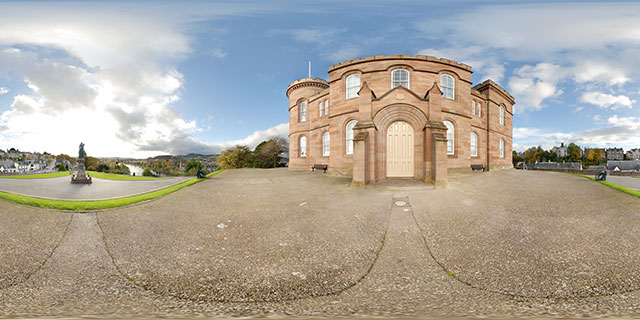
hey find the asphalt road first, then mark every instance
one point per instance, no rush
(62, 189)
(629, 182)
(280, 243)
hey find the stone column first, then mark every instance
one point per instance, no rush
(359, 160)
(436, 173)
(439, 160)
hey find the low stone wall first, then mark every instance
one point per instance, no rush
(590, 172)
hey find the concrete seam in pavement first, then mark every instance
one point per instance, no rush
(515, 296)
(46, 259)
(334, 293)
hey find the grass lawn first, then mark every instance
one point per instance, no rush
(112, 176)
(39, 175)
(100, 204)
(612, 185)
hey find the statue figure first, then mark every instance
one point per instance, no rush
(81, 153)
(81, 176)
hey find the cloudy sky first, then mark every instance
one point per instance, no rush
(150, 77)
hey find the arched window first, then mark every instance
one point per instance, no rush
(448, 86)
(479, 110)
(473, 107)
(326, 107)
(451, 135)
(349, 135)
(303, 146)
(303, 111)
(501, 148)
(400, 77)
(502, 115)
(353, 85)
(325, 144)
(320, 109)
(473, 141)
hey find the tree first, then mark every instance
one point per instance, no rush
(147, 172)
(91, 163)
(574, 152)
(102, 168)
(236, 157)
(268, 153)
(62, 167)
(516, 158)
(192, 167)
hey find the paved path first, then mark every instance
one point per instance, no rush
(61, 187)
(629, 182)
(279, 243)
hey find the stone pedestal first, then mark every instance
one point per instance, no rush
(81, 176)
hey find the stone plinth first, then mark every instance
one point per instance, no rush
(80, 177)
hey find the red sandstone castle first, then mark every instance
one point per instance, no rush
(399, 116)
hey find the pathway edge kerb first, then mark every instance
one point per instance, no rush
(99, 199)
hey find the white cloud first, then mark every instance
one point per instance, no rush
(597, 44)
(605, 101)
(533, 84)
(101, 74)
(3, 90)
(599, 72)
(620, 132)
(218, 53)
(534, 30)
(520, 133)
(475, 56)
(596, 118)
(631, 123)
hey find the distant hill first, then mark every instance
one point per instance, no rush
(185, 156)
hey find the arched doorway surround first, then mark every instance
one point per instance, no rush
(417, 120)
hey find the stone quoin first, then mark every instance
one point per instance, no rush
(399, 116)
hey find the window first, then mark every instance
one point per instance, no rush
(474, 144)
(353, 85)
(501, 148)
(502, 115)
(450, 137)
(320, 109)
(303, 111)
(350, 126)
(400, 77)
(303, 146)
(325, 144)
(447, 84)
(479, 110)
(473, 107)
(326, 107)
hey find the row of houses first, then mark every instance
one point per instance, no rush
(606, 153)
(612, 165)
(10, 166)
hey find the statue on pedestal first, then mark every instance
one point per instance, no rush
(81, 176)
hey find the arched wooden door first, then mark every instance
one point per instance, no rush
(400, 150)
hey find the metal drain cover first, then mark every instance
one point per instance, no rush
(401, 203)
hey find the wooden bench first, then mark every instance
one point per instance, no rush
(475, 167)
(320, 167)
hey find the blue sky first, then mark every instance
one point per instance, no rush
(146, 78)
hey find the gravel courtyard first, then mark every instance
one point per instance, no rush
(280, 243)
